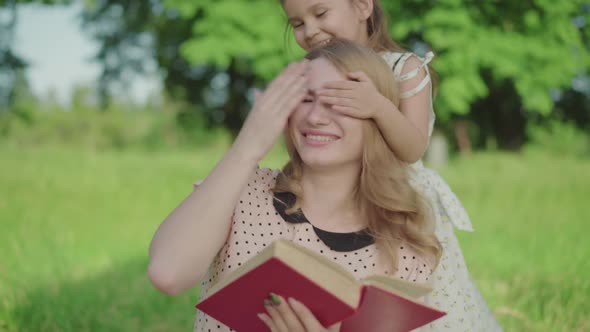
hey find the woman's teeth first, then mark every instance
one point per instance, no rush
(321, 138)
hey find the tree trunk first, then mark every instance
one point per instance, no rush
(461, 130)
(237, 106)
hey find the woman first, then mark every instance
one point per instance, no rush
(343, 193)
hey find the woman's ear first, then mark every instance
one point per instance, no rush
(364, 8)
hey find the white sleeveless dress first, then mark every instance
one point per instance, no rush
(454, 291)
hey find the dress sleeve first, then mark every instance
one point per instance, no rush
(413, 76)
(422, 67)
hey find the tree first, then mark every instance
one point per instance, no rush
(138, 36)
(10, 63)
(498, 61)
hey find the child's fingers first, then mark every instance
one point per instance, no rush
(337, 101)
(359, 76)
(336, 93)
(349, 111)
(340, 85)
(309, 321)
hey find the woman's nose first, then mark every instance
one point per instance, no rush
(318, 114)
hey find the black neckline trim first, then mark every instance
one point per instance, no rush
(342, 242)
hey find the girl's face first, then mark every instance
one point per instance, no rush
(323, 137)
(315, 22)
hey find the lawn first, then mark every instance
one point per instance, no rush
(75, 226)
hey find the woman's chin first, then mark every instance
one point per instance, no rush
(317, 161)
(324, 161)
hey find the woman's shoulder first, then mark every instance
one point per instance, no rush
(261, 177)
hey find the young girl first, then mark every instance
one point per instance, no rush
(343, 194)
(407, 128)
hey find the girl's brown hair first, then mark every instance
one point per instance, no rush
(378, 32)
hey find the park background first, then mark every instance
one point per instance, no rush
(87, 172)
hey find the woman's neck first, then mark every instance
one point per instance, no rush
(329, 198)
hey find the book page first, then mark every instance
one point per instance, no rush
(323, 271)
(406, 288)
(318, 258)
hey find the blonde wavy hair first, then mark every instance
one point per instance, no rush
(394, 209)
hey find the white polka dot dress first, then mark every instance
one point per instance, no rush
(454, 291)
(259, 219)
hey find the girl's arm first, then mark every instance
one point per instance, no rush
(405, 128)
(188, 240)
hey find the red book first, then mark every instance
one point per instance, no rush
(374, 304)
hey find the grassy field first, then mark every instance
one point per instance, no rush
(75, 226)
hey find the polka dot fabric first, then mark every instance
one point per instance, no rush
(256, 223)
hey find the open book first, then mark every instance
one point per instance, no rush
(374, 304)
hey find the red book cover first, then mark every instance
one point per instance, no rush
(381, 311)
(237, 304)
(326, 288)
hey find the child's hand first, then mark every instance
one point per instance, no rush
(357, 97)
(292, 316)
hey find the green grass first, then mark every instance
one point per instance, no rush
(75, 227)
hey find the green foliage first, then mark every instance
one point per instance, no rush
(534, 44)
(44, 2)
(237, 28)
(497, 61)
(559, 138)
